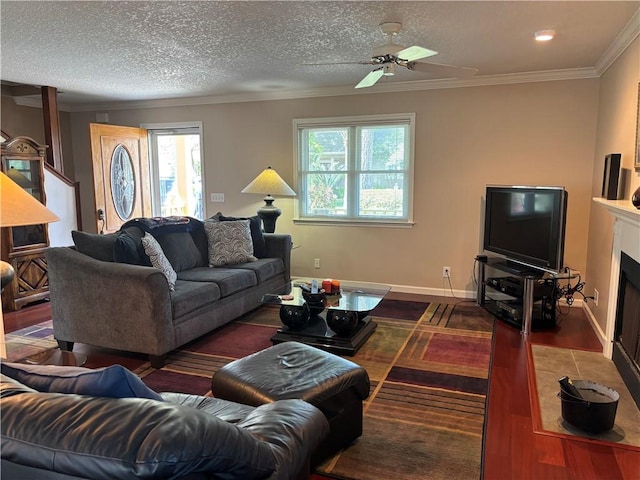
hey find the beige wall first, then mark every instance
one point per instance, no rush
(617, 110)
(19, 120)
(535, 133)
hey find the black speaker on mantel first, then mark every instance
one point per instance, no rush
(611, 178)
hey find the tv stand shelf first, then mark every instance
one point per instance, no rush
(523, 301)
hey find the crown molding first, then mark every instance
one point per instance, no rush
(527, 77)
(620, 44)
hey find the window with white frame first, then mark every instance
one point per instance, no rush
(355, 169)
(176, 169)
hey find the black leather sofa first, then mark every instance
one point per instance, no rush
(63, 436)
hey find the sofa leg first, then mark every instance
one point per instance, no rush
(65, 345)
(157, 361)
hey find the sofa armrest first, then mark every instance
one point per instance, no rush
(292, 428)
(279, 245)
(109, 304)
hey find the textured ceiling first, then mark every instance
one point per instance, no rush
(106, 51)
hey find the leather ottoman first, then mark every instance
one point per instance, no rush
(290, 370)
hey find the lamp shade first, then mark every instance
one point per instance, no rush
(18, 208)
(269, 183)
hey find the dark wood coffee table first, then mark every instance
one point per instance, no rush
(354, 300)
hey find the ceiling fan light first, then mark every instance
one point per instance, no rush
(389, 69)
(544, 35)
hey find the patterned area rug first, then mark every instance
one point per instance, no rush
(429, 378)
(30, 341)
(428, 364)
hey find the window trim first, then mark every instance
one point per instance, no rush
(350, 121)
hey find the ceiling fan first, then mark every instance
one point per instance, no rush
(387, 56)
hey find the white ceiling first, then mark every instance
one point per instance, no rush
(105, 52)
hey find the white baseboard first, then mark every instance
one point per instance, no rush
(594, 323)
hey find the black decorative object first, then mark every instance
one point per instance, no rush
(595, 409)
(294, 316)
(635, 198)
(342, 322)
(611, 184)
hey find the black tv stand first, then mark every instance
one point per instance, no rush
(527, 302)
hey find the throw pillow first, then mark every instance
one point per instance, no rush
(96, 246)
(180, 250)
(257, 237)
(114, 381)
(153, 249)
(128, 247)
(229, 242)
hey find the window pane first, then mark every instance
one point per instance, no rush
(180, 175)
(327, 194)
(327, 149)
(382, 148)
(381, 195)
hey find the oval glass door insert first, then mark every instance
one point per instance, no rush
(123, 185)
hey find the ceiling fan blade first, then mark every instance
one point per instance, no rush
(411, 54)
(371, 78)
(441, 70)
(368, 62)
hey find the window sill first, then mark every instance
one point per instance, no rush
(354, 223)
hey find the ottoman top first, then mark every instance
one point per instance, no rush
(289, 370)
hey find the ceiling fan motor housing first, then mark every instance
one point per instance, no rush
(387, 49)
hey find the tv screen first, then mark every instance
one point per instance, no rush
(526, 225)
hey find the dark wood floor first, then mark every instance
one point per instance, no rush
(513, 450)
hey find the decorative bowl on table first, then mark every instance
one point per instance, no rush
(342, 322)
(315, 301)
(314, 297)
(295, 317)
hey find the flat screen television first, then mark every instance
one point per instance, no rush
(526, 224)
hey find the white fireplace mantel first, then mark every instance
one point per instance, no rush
(626, 238)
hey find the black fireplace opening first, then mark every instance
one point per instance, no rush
(626, 344)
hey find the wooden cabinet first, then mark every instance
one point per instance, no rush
(24, 247)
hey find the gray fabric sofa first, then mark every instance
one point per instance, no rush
(127, 306)
(58, 435)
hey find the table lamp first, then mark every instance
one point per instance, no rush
(17, 209)
(269, 183)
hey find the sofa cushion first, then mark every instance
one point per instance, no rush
(97, 246)
(264, 268)
(180, 250)
(229, 242)
(257, 237)
(153, 249)
(114, 381)
(230, 412)
(190, 296)
(229, 280)
(128, 247)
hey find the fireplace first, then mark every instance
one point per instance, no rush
(626, 341)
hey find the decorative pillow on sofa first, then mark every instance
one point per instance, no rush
(114, 381)
(257, 237)
(97, 246)
(128, 247)
(181, 250)
(153, 249)
(229, 242)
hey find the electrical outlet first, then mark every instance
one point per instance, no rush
(217, 197)
(446, 272)
(316, 263)
(596, 294)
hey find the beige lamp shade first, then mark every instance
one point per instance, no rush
(18, 208)
(269, 183)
